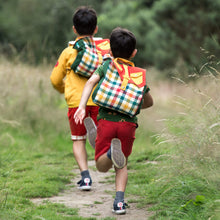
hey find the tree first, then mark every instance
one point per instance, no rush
(167, 31)
(190, 25)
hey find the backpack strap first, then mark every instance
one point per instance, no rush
(87, 59)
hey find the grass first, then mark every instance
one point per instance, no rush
(184, 184)
(30, 168)
(174, 166)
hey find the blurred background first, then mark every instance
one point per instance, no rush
(172, 35)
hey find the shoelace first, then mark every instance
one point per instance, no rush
(81, 182)
(125, 205)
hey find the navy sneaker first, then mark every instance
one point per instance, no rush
(85, 184)
(119, 208)
(117, 156)
(91, 130)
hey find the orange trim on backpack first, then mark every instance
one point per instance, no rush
(130, 74)
(103, 46)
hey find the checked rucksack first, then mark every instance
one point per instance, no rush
(122, 87)
(90, 55)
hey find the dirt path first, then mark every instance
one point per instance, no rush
(97, 202)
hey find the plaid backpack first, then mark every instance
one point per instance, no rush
(122, 87)
(89, 56)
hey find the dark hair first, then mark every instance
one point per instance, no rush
(85, 20)
(122, 42)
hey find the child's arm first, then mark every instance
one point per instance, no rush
(59, 72)
(148, 101)
(80, 113)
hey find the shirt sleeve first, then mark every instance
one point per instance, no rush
(99, 71)
(59, 72)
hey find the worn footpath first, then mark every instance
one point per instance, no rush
(98, 202)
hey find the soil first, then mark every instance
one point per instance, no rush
(98, 202)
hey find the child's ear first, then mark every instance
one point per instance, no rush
(74, 30)
(110, 52)
(96, 30)
(134, 53)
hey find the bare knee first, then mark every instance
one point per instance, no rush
(102, 168)
(103, 163)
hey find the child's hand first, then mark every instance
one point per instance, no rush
(79, 115)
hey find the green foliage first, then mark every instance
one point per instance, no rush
(168, 32)
(29, 27)
(36, 30)
(193, 24)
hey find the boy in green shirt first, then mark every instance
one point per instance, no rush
(122, 88)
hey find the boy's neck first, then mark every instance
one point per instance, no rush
(83, 36)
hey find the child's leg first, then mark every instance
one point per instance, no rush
(103, 164)
(113, 156)
(80, 154)
(121, 178)
(105, 134)
(78, 136)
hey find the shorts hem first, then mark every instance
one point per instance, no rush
(77, 138)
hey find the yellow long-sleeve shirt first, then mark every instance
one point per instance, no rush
(66, 81)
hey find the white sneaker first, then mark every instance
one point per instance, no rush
(117, 156)
(91, 130)
(85, 184)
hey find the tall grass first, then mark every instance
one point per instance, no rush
(27, 98)
(189, 178)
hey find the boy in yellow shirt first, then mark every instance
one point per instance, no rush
(76, 64)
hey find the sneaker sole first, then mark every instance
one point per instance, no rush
(119, 212)
(91, 130)
(117, 156)
(85, 188)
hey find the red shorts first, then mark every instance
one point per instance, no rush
(107, 130)
(78, 131)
